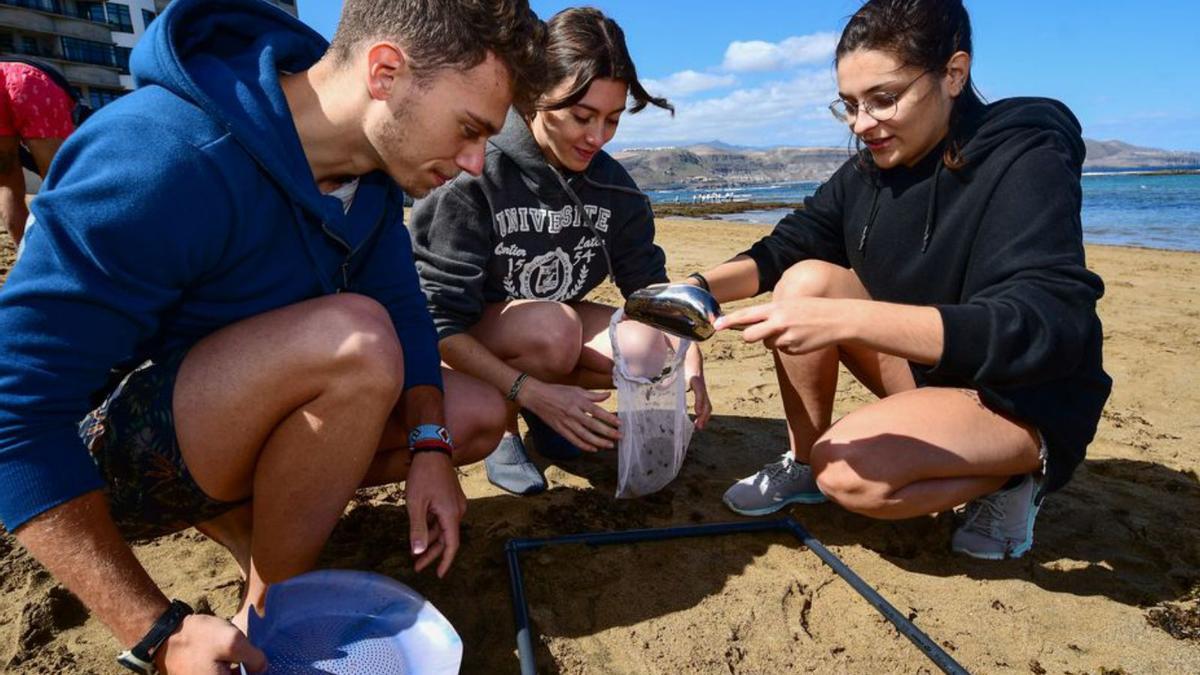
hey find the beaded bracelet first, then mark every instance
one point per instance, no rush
(515, 389)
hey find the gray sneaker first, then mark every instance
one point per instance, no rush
(999, 525)
(776, 485)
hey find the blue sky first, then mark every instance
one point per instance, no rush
(759, 73)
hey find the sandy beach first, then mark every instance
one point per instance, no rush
(1114, 572)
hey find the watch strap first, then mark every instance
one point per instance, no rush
(140, 657)
(430, 438)
(432, 446)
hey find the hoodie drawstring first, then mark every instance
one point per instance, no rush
(931, 211)
(862, 241)
(587, 219)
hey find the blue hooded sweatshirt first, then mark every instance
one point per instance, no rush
(179, 209)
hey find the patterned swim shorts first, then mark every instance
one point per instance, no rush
(131, 436)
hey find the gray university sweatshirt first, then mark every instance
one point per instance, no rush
(523, 230)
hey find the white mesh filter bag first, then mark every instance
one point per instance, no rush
(655, 427)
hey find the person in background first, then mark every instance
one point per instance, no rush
(508, 258)
(943, 264)
(37, 113)
(230, 237)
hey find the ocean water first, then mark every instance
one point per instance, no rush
(1150, 211)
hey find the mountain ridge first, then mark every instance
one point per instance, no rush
(715, 164)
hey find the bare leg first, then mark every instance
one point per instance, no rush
(921, 451)
(913, 452)
(13, 208)
(808, 382)
(475, 417)
(645, 349)
(233, 530)
(534, 336)
(289, 406)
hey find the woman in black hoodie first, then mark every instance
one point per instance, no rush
(944, 266)
(508, 257)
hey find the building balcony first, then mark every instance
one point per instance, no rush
(82, 62)
(15, 14)
(76, 72)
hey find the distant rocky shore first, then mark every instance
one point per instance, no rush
(719, 166)
(710, 210)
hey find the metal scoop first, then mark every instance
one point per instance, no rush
(683, 310)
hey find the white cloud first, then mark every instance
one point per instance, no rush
(687, 82)
(756, 55)
(791, 112)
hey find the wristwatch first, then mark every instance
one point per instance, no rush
(430, 438)
(140, 657)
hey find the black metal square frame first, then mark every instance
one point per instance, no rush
(515, 547)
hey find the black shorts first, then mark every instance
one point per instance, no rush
(131, 436)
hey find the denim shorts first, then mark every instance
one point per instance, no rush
(131, 437)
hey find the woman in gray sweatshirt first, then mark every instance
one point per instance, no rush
(508, 257)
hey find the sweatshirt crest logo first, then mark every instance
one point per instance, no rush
(550, 276)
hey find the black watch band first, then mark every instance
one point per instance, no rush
(140, 657)
(700, 280)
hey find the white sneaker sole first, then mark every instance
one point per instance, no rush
(795, 499)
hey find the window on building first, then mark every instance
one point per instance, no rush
(122, 56)
(53, 6)
(147, 17)
(30, 46)
(92, 11)
(7, 44)
(87, 51)
(98, 98)
(118, 18)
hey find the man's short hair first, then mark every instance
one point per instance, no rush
(437, 34)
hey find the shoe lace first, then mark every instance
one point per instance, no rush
(985, 515)
(784, 470)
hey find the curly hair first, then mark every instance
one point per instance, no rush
(438, 34)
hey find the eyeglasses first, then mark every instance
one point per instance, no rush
(881, 105)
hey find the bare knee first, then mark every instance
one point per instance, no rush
(817, 279)
(356, 345)
(643, 349)
(555, 342)
(843, 473)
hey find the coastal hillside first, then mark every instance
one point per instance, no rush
(1115, 155)
(720, 165)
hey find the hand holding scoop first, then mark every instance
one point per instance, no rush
(683, 310)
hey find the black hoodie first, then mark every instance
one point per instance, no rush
(523, 230)
(996, 247)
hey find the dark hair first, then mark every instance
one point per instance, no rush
(584, 45)
(924, 34)
(437, 34)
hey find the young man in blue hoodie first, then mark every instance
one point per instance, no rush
(229, 240)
